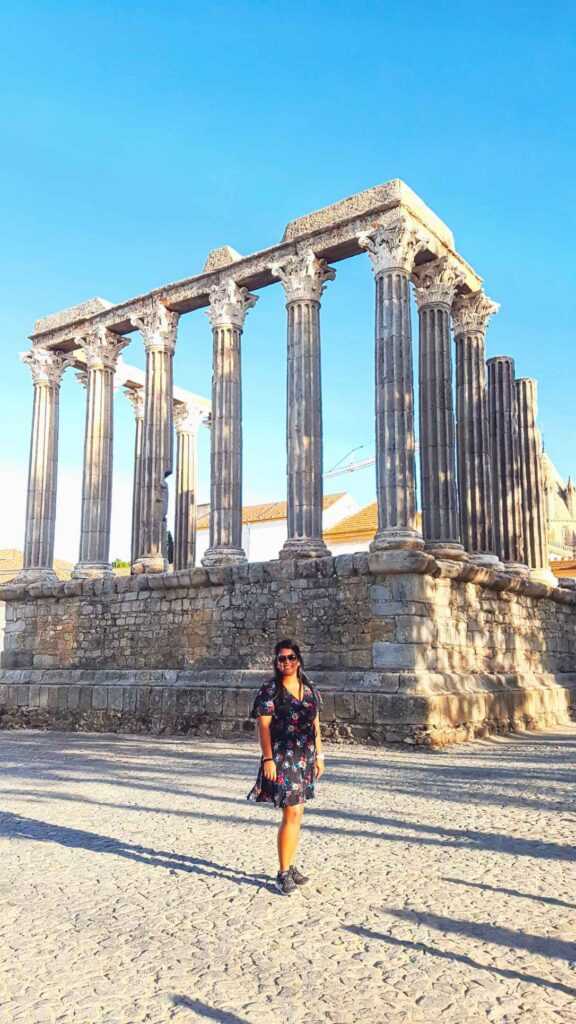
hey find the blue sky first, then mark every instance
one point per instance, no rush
(135, 139)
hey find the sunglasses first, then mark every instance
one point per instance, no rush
(286, 657)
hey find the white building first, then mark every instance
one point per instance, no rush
(265, 528)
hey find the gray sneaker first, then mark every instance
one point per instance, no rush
(298, 877)
(285, 883)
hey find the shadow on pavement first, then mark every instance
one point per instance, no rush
(18, 827)
(462, 958)
(553, 901)
(203, 1010)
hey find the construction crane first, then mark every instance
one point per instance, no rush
(352, 467)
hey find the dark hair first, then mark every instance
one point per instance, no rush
(280, 691)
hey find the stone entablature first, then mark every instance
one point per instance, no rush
(431, 657)
(333, 235)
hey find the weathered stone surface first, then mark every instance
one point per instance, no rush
(187, 657)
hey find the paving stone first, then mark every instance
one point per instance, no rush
(136, 884)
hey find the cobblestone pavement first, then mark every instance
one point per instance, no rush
(135, 885)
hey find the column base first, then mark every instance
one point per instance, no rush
(304, 547)
(516, 569)
(149, 564)
(486, 561)
(224, 555)
(91, 570)
(397, 538)
(35, 575)
(448, 549)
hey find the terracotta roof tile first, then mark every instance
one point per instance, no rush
(264, 513)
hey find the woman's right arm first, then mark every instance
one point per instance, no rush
(268, 765)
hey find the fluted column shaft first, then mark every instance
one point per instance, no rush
(186, 488)
(435, 288)
(304, 277)
(47, 369)
(470, 317)
(392, 248)
(136, 398)
(533, 498)
(304, 425)
(503, 420)
(228, 307)
(158, 326)
(101, 349)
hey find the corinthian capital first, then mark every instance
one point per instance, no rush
(187, 417)
(436, 282)
(158, 327)
(471, 313)
(136, 398)
(304, 276)
(393, 245)
(229, 304)
(101, 348)
(46, 367)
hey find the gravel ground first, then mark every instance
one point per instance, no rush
(136, 885)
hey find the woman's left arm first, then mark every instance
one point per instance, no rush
(318, 744)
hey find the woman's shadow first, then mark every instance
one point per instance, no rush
(18, 827)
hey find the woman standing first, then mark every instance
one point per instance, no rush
(287, 709)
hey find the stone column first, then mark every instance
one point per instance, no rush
(187, 419)
(304, 277)
(470, 316)
(392, 248)
(158, 326)
(229, 305)
(435, 285)
(136, 398)
(533, 496)
(47, 368)
(503, 421)
(101, 349)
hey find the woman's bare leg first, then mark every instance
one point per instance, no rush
(289, 834)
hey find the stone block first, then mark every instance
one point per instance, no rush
(115, 698)
(364, 704)
(86, 697)
(34, 699)
(344, 707)
(214, 700)
(143, 700)
(390, 563)
(99, 698)
(44, 696)
(73, 697)
(229, 706)
(155, 700)
(394, 709)
(398, 656)
(244, 702)
(344, 565)
(328, 709)
(22, 695)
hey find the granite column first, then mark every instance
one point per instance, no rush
(47, 368)
(435, 285)
(136, 398)
(304, 277)
(504, 446)
(470, 316)
(101, 349)
(186, 421)
(229, 305)
(533, 497)
(158, 326)
(392, 248)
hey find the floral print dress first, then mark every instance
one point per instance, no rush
(293, 745)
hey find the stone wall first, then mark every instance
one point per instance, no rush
(444, 652)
